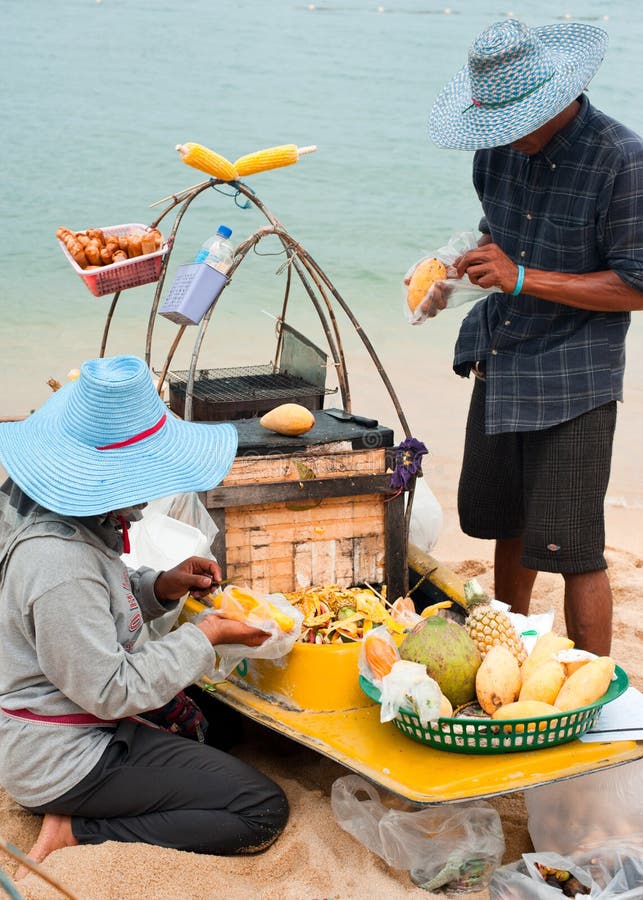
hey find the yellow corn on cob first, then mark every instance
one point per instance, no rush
(199, 157)
(270, 158)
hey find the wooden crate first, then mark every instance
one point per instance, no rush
(322, 516)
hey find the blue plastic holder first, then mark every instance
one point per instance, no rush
(195, 288)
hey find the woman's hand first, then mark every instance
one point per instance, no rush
(197, 575)
(229, 631)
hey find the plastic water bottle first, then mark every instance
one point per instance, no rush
(217, 252)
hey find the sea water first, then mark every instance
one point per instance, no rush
(97, 93)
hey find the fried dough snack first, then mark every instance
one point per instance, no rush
(93, 248)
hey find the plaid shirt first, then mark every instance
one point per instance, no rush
(575, 207)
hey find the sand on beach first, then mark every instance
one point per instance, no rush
(315, 858)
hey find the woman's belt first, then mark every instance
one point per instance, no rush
(76, 720)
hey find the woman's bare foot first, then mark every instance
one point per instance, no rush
(55, 833)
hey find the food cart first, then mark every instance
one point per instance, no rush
(320, 508)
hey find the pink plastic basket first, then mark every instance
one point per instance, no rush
(122, 275)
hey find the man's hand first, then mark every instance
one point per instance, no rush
(228, 631)
(437, 298)
(197, 575)
(487, 266)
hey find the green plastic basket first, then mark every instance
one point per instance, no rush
(482, 736)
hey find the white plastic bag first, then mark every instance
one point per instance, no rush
(453, 846)
(426, 517)
(171, 529)
(456, 290)
(408, 686)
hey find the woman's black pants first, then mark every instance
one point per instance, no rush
(159, 788)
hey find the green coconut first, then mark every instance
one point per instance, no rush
(450, 656)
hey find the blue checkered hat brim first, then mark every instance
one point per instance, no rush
(517, 78)
(107, 441)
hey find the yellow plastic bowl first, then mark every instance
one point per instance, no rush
(313, 677)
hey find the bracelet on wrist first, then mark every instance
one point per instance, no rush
(519, 281)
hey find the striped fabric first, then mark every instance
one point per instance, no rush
(575, 207)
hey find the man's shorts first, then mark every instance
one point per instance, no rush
(547, 487)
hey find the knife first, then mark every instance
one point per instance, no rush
(344, 416)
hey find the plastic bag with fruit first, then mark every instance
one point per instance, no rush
(452, 847)
(403, 684)
(606, 804)
(613, 871)
(271, 613)
(435, 277)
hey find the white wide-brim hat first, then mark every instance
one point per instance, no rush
(107, 441)
(517, 79)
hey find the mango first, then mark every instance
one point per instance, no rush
(446, 710)
(426, 274)
(547, 645)
(526, 709)
(572, 660)
(544, 682)
(498, 679)
(289, 419)
(587, 684)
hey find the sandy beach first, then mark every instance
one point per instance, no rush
(315, 858)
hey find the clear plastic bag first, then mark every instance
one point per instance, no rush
(407, 685)
(604, 804)
(455, 290)
(611, 872)
(363, 665)
(454, 846)
(277, 645)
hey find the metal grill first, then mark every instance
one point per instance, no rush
(240, 392)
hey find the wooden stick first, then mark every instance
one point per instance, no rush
(177, 197)
(35, 867)
(378, 595)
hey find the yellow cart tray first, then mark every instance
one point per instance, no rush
(358, 740)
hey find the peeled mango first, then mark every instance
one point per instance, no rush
(288, 419)
(450, 656)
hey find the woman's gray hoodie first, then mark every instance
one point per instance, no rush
(70, 614)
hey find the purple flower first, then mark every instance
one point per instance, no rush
(408, 461)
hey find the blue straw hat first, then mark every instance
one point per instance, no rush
(516, 80)
(107, 441)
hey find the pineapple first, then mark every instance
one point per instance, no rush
(488, 626)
